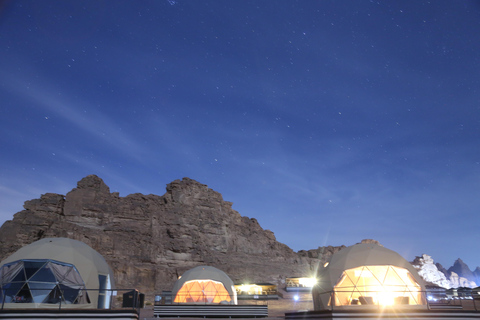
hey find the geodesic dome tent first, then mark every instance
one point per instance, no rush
(55, 271)
(204, 285)
(367, 274)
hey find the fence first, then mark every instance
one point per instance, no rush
(214, 310)
(431, 299)
(205, 297)
(70, 298)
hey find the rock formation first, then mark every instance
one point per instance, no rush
(149, 240)
(459, 275)
(461, 268)
(442, 269)
(476, 273)
(429, 271)
(323, 254)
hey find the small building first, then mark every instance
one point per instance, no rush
(368, 274)
(300, 283)
(204, 285)
(257, 291)
(56, 271)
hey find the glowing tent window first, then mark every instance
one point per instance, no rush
(383, 285)
(202, 291)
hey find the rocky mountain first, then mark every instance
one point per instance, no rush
(461, 268)
(429, 271)
(149, 240)
(476, 273)
(459, 275)
(442, 269)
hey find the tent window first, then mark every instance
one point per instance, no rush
(43, 275)
(202, 291)
(54, 296)
(24, 295)
(42, 281)
(40, 290)
(11, 291)
(384, 285)
(31, 267)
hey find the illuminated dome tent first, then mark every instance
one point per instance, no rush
(55, 271)
(204, 285)
(367, 274)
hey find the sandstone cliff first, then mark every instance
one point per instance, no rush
(149, 240)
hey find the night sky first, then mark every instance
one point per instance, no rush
(327, 121)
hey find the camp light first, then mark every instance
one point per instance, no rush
(307, 282)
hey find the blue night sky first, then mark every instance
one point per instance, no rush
(328, 121)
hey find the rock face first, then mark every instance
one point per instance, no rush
(323, 254)
(461, 268)
(476, 273)
(149, 240)
(442, 269)
(429, 271)
(459, 275)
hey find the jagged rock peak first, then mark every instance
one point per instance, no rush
(187, 191)
(187, 184)
(442, 269)
(462, 269)
(477, 271)
(93, 182)
(429, 271)
(371, 241)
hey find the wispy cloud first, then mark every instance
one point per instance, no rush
(79, 113)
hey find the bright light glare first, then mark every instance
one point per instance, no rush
(250, 289)
(296, 298)
(385, 298)
(363, 273)
(246, 287)
(307, 282)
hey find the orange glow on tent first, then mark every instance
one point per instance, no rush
(202, 291)
(383, 285)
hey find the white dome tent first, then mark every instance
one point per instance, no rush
(204, 285)
(367, 274)
(56, 271)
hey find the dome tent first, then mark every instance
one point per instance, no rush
(365, 274)
(204, 285)
(56, 270)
